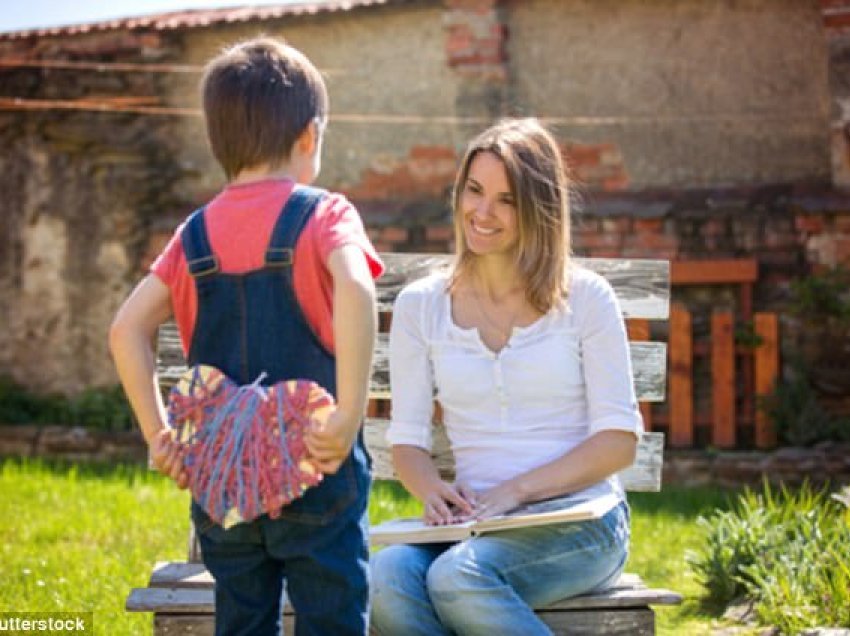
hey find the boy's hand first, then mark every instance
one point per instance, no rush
(167, 457)
(330, 442)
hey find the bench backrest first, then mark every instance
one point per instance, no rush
(642, 287)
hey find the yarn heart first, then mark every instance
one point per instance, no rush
(245, 444)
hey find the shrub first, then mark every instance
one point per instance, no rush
(798, 414)
(102, 408)
(787, 551)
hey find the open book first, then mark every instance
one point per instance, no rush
(558, 510)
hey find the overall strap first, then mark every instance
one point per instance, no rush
(196, 246)
(293, 218)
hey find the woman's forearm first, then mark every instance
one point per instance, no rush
(415, 469)
(595, 459)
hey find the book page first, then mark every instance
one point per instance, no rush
(416, 531)
(557, 510)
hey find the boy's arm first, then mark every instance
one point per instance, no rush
(354, 325)
(131, 338)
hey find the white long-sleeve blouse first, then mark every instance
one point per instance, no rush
(556, 382)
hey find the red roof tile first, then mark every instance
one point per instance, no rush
(200, 18)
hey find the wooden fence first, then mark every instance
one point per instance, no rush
(741, 373)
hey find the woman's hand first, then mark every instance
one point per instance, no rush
(445, 503)
(496, 501)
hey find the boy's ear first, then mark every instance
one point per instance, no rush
(308, 139)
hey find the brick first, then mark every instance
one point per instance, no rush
(713, 227)
(812, 223)
(841, 223)
(604, 253)
(616, 183)
(395, 234)
(432, 153)
(471, 5)
(620, 225)
(425, 171)
(649, 225)
(439, 233)
(582, 155)
(647, 252)
(774, 239)
(594, 241)
(842, 250)
(610, 155)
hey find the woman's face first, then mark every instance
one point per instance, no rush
(487, 207)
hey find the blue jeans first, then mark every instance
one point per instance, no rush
(319, 547)
(489, 584)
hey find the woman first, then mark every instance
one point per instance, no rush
(528, 358)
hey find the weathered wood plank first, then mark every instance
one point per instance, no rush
(179, 624)
(639, 330)
(649, 368)
(183, 574)
(681, 378)
(642, 285)
(649, 361)
(723, 379)
(189, 590)
(714, 272)
(637, 622)
(170, 600)
(767, 370)
(643, 475)
(614, 622)
(180, 574)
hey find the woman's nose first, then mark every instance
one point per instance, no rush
(483, 207)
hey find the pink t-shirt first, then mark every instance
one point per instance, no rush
(239, 224)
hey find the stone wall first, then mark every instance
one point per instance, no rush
(673, 116)
(826, 463)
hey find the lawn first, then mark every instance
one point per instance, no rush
(78, 537)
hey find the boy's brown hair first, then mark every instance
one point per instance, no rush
(258, 97)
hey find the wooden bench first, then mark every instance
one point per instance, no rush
(180, 594)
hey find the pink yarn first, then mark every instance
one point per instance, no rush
(246, 453)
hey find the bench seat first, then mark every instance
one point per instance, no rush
(180, 595)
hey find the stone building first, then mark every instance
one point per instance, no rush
(693, 129)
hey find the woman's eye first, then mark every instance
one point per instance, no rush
(473, 187)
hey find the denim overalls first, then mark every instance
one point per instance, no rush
(246, 324)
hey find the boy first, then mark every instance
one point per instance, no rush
(270, 276)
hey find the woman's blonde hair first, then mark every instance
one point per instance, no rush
(538, 182)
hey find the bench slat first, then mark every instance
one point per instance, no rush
(642, 476)
(187, 588)
(649, 365)
(611, 622)
(642, 285)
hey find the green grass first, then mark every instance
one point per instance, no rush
(664, 528)
(78, 537)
